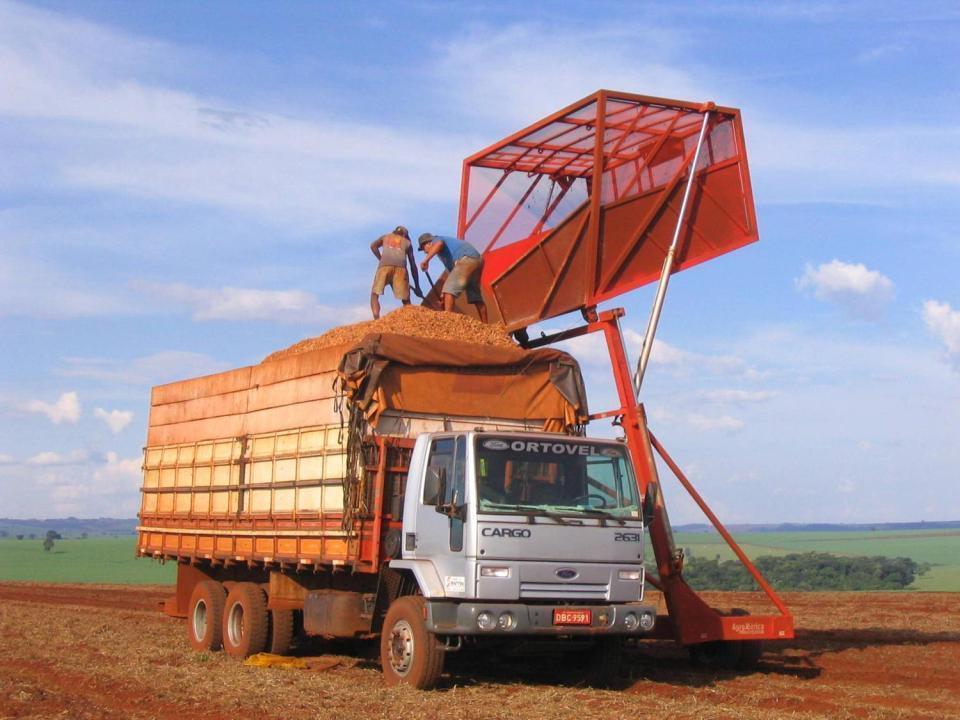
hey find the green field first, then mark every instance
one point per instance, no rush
(111, 560)
(95, 560)
(939, 548)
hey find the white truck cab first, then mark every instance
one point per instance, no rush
(525, 534)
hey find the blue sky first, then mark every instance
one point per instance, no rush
(187, 187)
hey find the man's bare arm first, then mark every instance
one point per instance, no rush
(375, 247)
(434, 248)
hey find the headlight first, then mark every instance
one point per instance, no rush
(629, 574)
(497, 572)
(631, 622)
(647, 621)
(506, 621)
(486, 620)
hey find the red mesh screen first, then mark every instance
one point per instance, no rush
(552, 247)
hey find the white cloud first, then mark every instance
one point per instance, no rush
(880, 52)
(846, 486)
(861, 291)
(678, 417)
(6, 459)
(116, 420)
(669, 356)
(506, 75)
(105, 127)
(500, 74)
(823, 163)
(116, 467)
(592, 352)
(150, 370)
(231, 303)
(723, 422)
(80, 483)
(944, 323)
(65, 409)
(63, 296)
(732, 395)
(50, 457)
(107, 488)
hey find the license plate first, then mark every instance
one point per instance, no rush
(572, 617)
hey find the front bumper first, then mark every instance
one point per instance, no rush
(460, 618)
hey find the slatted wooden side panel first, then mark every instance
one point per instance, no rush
(271, 475)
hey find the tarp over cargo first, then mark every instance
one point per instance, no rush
(419, 375)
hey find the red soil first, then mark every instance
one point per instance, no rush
(86, 651)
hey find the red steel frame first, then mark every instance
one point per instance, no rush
(690, 619)
(615, 239)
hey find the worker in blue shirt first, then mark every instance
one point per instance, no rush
(464, 266)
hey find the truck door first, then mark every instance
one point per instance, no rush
(440, 537)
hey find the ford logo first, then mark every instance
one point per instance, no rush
(566, 573)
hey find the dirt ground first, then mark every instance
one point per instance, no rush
(107, 652)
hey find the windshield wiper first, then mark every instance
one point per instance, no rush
(598, 513)
(606, 515)
(530, 511)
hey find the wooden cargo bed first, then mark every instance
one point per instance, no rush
(252, 465)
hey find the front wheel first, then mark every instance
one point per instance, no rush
(605, 662)
(409, 654)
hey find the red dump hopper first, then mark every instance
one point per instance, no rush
(581, 206)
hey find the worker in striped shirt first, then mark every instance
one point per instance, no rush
(464, 266)
(394, 251)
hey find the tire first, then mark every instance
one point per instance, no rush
(281, 632)
(604, 662)
(409, 655)
(205, 616)
(750, 653)
(750, 650)
(716, 655)
(245, 621)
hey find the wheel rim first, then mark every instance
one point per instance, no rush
(235, 624)
(401, 647)
(200, 620)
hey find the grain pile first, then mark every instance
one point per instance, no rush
(411, 320)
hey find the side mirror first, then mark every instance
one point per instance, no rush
(650, 504)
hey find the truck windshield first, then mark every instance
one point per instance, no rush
(568, 476)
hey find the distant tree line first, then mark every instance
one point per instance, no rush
(804, 571)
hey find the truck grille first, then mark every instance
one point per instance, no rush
(584, 591)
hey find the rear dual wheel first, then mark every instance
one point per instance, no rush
(238, 621)
(205, 616)
(280, 637)
(245, 621)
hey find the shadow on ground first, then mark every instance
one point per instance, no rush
(661, 662)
